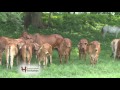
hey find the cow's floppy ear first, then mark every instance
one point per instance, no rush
(78, 45)
(19, 45)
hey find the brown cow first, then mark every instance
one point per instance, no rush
(94, 51)
(118, 49)
(83, 48)
(4, 41)
(25, 35)
(44, 51)
(26, 50)
(114, 46)
(11, 52)
(65, 49)
(54, 40)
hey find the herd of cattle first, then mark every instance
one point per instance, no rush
(42, 46)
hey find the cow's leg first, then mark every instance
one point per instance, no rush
(39, 63)
(60, 59)
(29, 59)
(1, 61)
(85, 56)
(96, 61)
(24, 60)
(115, 50)
(29, 62)
(46, 61)
(91, 60)
(69, 55)
(50, 59)
(7, 61)
(11, 62)
(81, 56)
(66, 58)
(0, 58)
(58, 52)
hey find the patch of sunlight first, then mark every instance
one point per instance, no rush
(75, 33)
(55, 17)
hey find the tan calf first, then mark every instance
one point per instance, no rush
(114, 45)
(26, 51)
(118, 50)
(11, 51)
(65, 49)
(83, 48)
(94, 51)
(43, 53)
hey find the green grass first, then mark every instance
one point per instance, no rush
(106, 67)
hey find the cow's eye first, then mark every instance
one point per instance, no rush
(85, 43)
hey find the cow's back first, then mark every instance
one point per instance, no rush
(54, 39)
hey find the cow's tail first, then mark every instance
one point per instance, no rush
(26, 52)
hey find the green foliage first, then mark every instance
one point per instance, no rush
(11, 23)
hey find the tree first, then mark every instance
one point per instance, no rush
(33, 18)
(49, 19)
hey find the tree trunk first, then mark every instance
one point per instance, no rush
(49, 19)
(37, 19)
(33, 18)
(27, 20)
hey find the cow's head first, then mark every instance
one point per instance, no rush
(83, 44)
(25, 35)
(95, 46)
(68, 43)
(19, 45)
